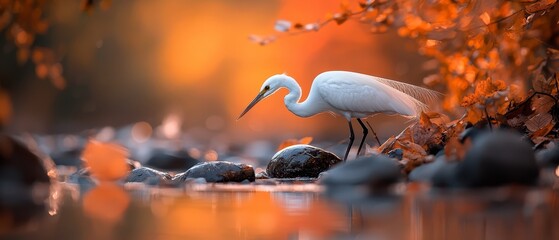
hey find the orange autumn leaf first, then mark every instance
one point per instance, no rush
(543, 131)
(107, 161)
(539, 121)
(106, 202)
(291, 142)
(485, 18)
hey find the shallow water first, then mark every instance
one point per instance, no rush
(295, 211)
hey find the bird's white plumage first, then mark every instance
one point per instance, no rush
(355, 95)
(350, 94)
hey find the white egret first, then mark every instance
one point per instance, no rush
(351, 95)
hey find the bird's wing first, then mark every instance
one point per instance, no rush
(424, 95)
(354, 92)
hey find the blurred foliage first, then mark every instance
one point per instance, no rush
(21, 21)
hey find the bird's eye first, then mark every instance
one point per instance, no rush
(267, 88)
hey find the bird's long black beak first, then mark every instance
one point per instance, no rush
(257, 99)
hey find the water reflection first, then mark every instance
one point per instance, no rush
(284, 211)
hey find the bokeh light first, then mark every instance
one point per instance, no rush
(141, 132)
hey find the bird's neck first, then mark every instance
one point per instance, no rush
(291, 100)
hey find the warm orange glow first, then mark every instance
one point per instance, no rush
(106, 202)
(107, 161)
(191, 52)
(290, 142)
(248, 215)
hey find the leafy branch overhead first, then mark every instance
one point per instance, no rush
(486, 53)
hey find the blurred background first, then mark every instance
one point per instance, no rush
(190, 64)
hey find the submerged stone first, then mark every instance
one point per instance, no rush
(301, 161)
(219, 171)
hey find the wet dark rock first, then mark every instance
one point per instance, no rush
(68, 158)
(361, 177)
(301, 161)
(494, 159)
(396, 153)
(24, 183)
(548, 158)
(427, 171)
(219, 171)
(147, 175)
(376, 171)
(171, 161)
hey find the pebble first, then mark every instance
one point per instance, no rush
(147, 175)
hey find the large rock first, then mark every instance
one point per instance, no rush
(24, 183)
(218, 171)
(494, 159)
(301, 161)
(171, 160)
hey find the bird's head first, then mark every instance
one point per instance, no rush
(269, 87)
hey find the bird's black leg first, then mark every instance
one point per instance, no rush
(351, 137)
(374, 133)
(365, 132)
